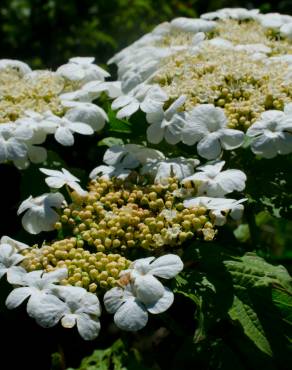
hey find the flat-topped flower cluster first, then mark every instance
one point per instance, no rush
(35, 104)
(212, 82)
(138, 203)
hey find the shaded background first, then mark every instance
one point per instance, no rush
(48, 32)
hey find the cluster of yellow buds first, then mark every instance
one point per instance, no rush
(39, 92)
(120, 216)
(86, 269)
(117, 219)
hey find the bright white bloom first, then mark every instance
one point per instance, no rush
(168, 124)
(219, 207)
(42, 305)
(192, 25)
(161, 170)
(232, 13)
(210, 181)
(121, 160)
(57, 179)
(21, 67)
(92, 90)
(41, 128)
(144, 293)
(149, 99)
(65, 129)
(273, 20)
(87, 113)
(12, 142)
(272, 134)
(8, 258)
(18, 246)
(39, 212)
(207, 126)
(80, 308)
(286, 30)
(82, 69)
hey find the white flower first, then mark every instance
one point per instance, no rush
(80, 308)
(18, 246)
(8, 258)
(232, 13)
(82, 69)
(87, 113)
(168, 124)
(272, 134)
(12, 142)
(273, 20)
(192, 25)
(39, 213)
(144, 293)
(286, 30)
(121, 160)
(40, 128)
(213, 183)
(57, 179)
(42, 305)
(161, 170)
(92, 90)
(207, 126)
(65, 129)
(219, 207)
(21, 67)
(149, 99)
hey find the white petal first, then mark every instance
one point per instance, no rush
(209, 147)
(17, 296)
(148, 289)
(81, 128)
(121, 101)
(88, 328)
(55, 182)
(15, 149)
(46, 309)
(64, 136)
(155, 133)
(131, 316)
(16, 244)
(167, 266)
(128, 110)
(75, 186)
(231, 180)
(231, 139)
(163, 303)
(68, 321)
(55, 276)
(264, 146)
(113, 299)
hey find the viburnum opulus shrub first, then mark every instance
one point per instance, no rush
(197, 164)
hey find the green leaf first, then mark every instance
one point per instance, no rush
(242, 233)
(251, 324)
(262, 302)
(118, 126)
(116, 357)
(110, 141)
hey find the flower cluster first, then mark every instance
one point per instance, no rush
(35, 104)
(156, 205)
(52, 296)
(208, 81)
